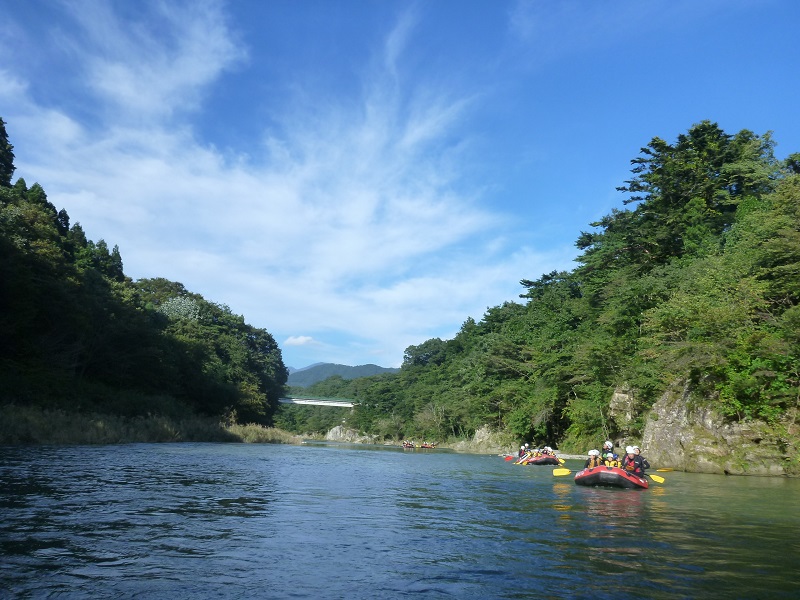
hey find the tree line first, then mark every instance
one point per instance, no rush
(696, 280)
(77, 334)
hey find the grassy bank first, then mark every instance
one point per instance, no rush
(34, 425)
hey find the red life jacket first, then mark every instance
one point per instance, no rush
(632, 465)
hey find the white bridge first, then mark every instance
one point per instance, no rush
(337, 402)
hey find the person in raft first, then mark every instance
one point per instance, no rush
(608, 449)
(612, 460)
(638, 453)
(594, 460)
(633, 463)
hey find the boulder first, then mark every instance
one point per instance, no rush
(343, 434)
(486, 441)
(622, 408)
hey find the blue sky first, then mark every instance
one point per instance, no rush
(360, 176)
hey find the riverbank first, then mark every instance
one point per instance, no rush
(26, 425)
(21, 425)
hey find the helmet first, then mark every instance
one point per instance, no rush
(548, 448)
(636, 449)
(629, 450)
(615, 456)
(608, 444)
(594, 452)
(527, 445)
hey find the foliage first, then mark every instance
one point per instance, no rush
(77, 334)
(36, 425)
(698, 281)
(695, 279)
(309, 419)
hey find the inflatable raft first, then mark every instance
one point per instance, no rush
(610, 477)
(543, 460)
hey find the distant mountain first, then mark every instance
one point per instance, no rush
(293, 370)
(321, 371)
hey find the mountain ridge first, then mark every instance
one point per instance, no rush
(320, 371)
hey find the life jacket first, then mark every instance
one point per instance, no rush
(610, 462)
(632, 465)
(595, 461)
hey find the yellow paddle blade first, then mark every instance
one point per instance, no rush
(560, 472)
(656, 478)
(664, 470)
(561, 460)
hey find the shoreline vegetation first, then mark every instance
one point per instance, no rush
(40, 426)
(32, 425)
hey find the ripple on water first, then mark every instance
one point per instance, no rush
(206, 520)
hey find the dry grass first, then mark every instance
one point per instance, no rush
(35, 425)
(257, 434)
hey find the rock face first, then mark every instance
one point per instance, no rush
(343, 434)
(622, 407)
(683, 434)
(485, 441)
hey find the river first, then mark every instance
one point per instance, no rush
(347, 521)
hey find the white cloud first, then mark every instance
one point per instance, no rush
(155, 65)
(351, 228)
(299, 340)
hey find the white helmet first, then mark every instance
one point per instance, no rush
(594, 452)
(636, 449)
(629, 450)
(608, 444)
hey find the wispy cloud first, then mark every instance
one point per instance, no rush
(152, 63)
(351, 223)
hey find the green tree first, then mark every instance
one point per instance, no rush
(6, 157)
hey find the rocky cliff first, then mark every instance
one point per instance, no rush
(688, 435)
(343, 434)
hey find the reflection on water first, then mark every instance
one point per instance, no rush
(338, 521)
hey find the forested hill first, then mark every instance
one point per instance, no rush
(321, 371)
(696, 281)
(77, 334)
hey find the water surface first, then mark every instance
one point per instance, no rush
(340, 521)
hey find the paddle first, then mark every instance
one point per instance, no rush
(509, 457)
(664, 470)
(655, 478)
(560, 472)
(561, 460)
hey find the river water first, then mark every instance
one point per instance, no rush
(341, 521)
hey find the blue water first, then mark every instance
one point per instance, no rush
(340, 521)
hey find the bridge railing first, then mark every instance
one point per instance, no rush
(318, 401)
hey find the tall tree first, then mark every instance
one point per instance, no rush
(686, 195)
(6, 156)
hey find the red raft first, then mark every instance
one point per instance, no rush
(543, 460)
(610, 477)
